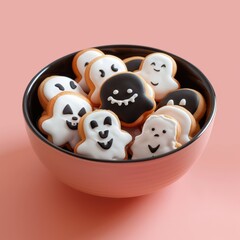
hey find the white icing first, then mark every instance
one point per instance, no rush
(159, 77)
(56, 125)
(170, 102)
(104, 63)
(50, 89)
(159, 133)
(129, 90)
(86, 57)
(90, 147)
(115, 92)
(125, 101)
(183, 102)
(182, 117)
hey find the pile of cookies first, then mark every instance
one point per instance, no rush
(119, 109)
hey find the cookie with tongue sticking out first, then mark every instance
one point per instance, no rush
(129, 97)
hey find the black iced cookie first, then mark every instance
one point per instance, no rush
(133, 63)
(126, 95)
(188, 98)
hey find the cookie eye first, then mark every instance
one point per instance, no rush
(153, 64)
(164, 131)
(170, 102)
(72, 85)
(114, 68)
(93, 124)
(67, 110)
(102, 73)
(183, 102)
(115, 92)
(86, 63)
(107, 121)
(60, 86)
(129, 90)
(153, 129)
(82, 112)
(163, 65)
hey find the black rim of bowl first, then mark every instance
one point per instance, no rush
(150, 49)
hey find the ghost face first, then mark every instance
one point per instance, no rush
(158, 137)
(83, 59)
(103, 136)
(64, 117)
(125, 95)
(102, 127)
(158, 70)
(57, 84)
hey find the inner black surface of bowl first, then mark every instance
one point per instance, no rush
(187, 75)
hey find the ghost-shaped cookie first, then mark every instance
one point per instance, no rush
(158, 70)
(102, 136)
(129, 97)
(80, 62)
(53, 85)
(60, 121)
(98, 71)
(159, 136)
(188, 98)
(186, 120)
(133, 63)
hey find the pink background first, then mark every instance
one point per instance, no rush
(204, 204)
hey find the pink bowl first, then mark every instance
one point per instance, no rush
(118, 179)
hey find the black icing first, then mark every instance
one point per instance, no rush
(191, 97)
(82, 112)
(107, 121)
(103, 134)
(73, 85)
(114, 69)
(67, 110)
(153, 149)
(72, 126)
(93, 124)
(122, 82)
(133, 64)
(102, 73)
(59, 86)
(107, 145)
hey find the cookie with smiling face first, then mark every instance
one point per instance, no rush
(102, 136)
(53, 85)
(60, 120)
(159, 69)
(129, 97)
(98, 71)
(188, 98)
(159, 135)
(80, 62)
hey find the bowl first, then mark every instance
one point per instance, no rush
(118, 179)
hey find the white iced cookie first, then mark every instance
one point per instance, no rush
(158, 70)
(53, 85)
(159, 135)
(98, 71)
(60, 121)
(80, 62)
(184, 117)
(102, 136)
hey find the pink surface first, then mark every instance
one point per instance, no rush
(204, 204)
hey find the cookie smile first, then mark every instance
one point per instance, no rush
(125, 101)
(157, 70)
(154, 84)
(72, 126)
(107, 145)
(153, 149)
